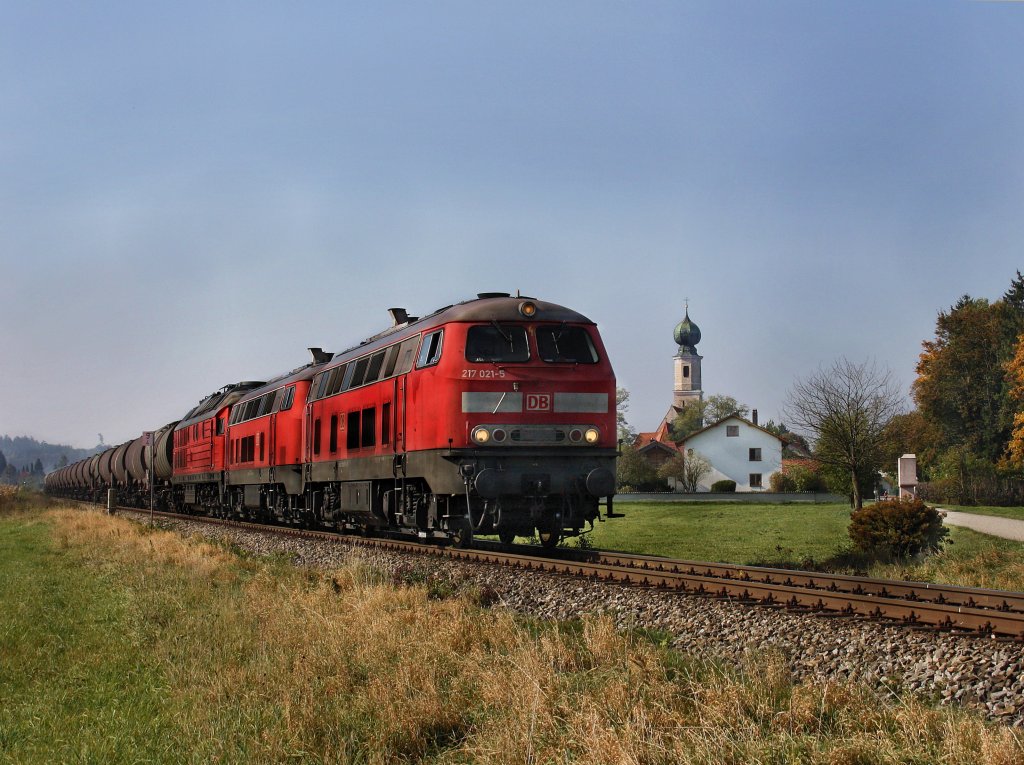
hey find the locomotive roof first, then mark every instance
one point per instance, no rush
(225, 396)
(490, 306)
(306, 372)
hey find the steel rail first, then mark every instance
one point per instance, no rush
(968, 597)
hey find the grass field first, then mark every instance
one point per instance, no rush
(728, 532)
(124, 645)
(800, 536)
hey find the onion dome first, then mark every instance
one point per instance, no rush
(687, 335)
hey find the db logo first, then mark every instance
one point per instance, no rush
(538, 402)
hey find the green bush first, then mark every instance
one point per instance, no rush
(723, 486)
(781, 482)
(805, 478)
(897, 528)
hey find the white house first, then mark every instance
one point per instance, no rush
(738, 450)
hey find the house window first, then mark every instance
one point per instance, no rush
(755, 480)
(686, 371)
(755, 455)
(732, 431)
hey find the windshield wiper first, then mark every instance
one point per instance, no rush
(504, 334)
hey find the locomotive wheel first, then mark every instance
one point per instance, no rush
(462, 532)
(506, 536)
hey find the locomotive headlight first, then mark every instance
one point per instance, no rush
(592, 435)
(481, 435)
(528, 309)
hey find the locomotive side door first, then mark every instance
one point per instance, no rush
(399, 415)
(397, 425)
(272, 439)
(307, 426)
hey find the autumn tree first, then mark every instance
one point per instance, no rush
(846, 408)
(1014, 457)
(962, 387)
(911, 433)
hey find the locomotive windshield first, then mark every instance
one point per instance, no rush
(571, 345)
(497, 342)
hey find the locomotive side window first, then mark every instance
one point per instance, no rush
(360, 372)
(389, 365)
(563, 344)
(406, 355)
(266, 404)
(430, 350)
(385, 423)
(337, 378)
(373, 371)
(352, 439)
(289, 397)
(369, 427)
(497, 342)
(320, 384)
(334, 433)
(316, 436)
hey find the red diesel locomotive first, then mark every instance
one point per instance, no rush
(493, 416)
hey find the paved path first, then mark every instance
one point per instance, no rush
(1007, 528)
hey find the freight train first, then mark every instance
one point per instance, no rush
(492, 416)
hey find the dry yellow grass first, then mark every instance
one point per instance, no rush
(266, 663)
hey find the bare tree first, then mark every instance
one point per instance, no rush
(687, 471)
(845, 409)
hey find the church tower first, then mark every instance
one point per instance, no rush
(687, 364)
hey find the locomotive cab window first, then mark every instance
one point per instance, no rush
(289, 397)
(497, 343)
(564, 344)
(430, 350)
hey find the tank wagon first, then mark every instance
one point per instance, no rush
(492, 416)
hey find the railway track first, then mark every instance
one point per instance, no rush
(993, 613)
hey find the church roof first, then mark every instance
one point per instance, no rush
(649, 441)
(686, 334)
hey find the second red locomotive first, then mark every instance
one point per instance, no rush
(493, 416)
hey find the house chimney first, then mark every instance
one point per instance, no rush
(753, 416)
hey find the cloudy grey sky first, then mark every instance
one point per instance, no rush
(192, 193)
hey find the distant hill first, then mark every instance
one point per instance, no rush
(23, 451)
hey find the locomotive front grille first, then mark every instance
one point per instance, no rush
(538, 435)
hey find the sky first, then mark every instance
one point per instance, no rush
(193, 193)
